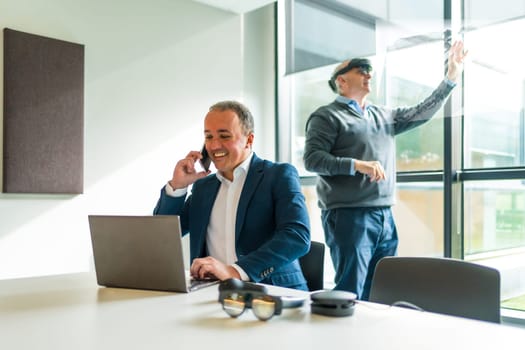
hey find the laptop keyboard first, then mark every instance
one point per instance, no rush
(196, 284)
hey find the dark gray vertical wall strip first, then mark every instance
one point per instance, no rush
(43, 114)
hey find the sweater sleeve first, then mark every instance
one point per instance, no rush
(321, 135)
(410, 117)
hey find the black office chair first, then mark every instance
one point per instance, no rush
(442, 285)
(312, 265)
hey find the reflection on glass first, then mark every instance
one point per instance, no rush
(419, 218)
(495, 233)
(310, 91)
(495, 98)
(494, 136)
(490, 105)
(318, 34)
(494, 216)
(420, 148)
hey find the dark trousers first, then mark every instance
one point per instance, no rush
(358, 238)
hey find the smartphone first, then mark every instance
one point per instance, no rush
(205, 160)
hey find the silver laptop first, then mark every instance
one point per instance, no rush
(141, 252)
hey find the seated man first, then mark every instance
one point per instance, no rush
(247, 221)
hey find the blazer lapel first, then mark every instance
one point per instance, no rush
(210, 194)
(207, 199)
(254, 176)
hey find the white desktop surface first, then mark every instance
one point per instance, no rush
(72, 312)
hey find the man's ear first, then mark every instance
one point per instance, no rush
(340, 80)
(249, 141)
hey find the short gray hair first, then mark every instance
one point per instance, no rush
(244, 114)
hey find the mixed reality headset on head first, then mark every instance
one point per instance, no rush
(363, 64)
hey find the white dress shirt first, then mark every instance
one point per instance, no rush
(220, 238)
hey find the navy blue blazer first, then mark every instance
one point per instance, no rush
(272, 229)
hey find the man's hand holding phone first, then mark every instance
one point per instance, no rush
(185, 172)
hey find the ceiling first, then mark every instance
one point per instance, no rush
(236, 6)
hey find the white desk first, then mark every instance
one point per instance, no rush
(72, 312)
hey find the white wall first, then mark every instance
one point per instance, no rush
(152, 69)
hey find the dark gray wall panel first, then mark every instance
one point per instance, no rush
(43, 114)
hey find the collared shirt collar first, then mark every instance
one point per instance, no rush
(352, 104)
(241, 168)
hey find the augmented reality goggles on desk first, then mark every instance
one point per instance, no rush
(363, 64)
(236, 296)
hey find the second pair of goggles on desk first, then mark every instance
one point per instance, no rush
(236, 296)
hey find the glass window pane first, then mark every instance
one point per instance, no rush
(319, 31)
(400, 39)
(420, 148)
(495, 97)
(480, 13)
(419, 218)
(495, 233)
(310, 90)
(494, 216)
(494, 136)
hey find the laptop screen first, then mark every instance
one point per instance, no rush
(143, 252)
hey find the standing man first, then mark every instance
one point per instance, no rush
(350, 145)
(249, 220)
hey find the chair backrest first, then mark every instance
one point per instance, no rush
(442, 285)
(312, 265)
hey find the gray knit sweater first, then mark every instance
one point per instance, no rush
(335, 134)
